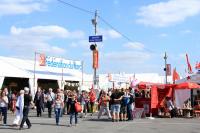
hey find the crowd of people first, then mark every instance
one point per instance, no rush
(116, 104)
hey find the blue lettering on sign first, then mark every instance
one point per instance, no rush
(51, 62)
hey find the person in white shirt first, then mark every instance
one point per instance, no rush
(50, 97)
(170, 107)
(20, 107)
(4, 106)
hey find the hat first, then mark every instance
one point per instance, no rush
(26, 89)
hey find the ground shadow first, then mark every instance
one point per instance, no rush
(47, 124)
(10, 127)
(98, 120)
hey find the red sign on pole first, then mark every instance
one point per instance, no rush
(42, 60)
(95, 59)
(168, 69)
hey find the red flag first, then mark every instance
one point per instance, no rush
(189, 66)
(197, 65)
(175, 75)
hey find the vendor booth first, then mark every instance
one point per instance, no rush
(185, 100)
(151, 97)
(155, 103)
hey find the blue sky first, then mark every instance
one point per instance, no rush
(152, 26)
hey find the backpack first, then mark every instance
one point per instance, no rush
(125, 100)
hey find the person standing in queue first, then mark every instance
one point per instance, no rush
(27, 102)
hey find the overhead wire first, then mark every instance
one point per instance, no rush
(103, 20)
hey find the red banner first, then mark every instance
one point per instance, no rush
(154, 97)
(95, 59)
(162, 94)
(168, 69)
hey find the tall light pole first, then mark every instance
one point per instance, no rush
(165, 69)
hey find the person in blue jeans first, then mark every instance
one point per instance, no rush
(58, 105)
(72, 111)
(4, 106)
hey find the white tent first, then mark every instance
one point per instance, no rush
(192, 78)
(182, 95)
(22, 68)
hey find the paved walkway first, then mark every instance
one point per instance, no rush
(91, 124)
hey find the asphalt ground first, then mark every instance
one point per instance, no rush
(91, 124)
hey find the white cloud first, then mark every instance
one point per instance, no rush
(134, 45)
(110, 33)
(116, 2)
(37, 38)
(163, 35)
(80, 43)
(128, 56)
(168, 13)
(77, 34)
(14, 7)
(41, 31)
(186, 31)
(50, 31)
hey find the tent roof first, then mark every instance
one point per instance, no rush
(192, 78)
(187, 85)
(23, 68)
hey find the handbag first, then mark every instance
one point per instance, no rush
(78, 107)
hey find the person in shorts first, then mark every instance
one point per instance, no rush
(116, 98)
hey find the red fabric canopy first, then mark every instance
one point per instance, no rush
(154, 97)
(187, 85)
(143, 85)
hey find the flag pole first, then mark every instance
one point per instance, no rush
(82, 72)
(34, 76)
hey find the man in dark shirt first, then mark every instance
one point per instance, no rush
(115, 104)
(27, 102)
(72, 111)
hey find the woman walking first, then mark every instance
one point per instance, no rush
(58, 105)
(4, 106)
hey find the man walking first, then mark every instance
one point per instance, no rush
(50, 96)
(27, 102)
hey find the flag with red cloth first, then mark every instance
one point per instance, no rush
(188, 64)
(197, 65)
(175, 75)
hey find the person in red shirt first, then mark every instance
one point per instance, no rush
(92, 96)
